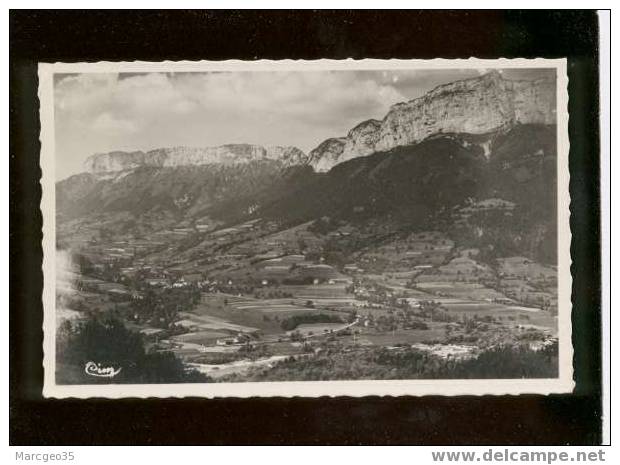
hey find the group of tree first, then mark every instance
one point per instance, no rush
(160, 308)
(504, 362)
(106, 342)
(294, 321)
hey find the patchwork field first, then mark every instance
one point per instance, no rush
(523, 267)
(436, 332)
(509, 314)
(225, 311)
(318, 329)
(321, 295)
(429, 248)
(281, 307)
(271, 306)
(201, 337)
(471, 291)
(531, 293)
(204, 321)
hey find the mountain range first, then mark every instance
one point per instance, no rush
(480, 138)
(481, 105)
(227, 155)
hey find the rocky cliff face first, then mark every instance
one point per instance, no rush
(327, 154)
(475, 106)
(231, 154)
(482, 105)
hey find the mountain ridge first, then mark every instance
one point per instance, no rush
(484, 104)
(413, 186)
(228, 154)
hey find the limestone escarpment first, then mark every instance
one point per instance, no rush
(230, 154)
(475, 106)
(327, 154)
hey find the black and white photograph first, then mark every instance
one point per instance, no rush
(308, 228)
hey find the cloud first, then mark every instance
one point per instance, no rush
(87, 94)
(99, 112)
(286, 93)
(107, 123)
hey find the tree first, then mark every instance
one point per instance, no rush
(106, 342)
(296, 336)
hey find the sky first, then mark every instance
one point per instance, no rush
(103, 112)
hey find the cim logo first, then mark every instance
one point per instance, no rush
(95, 369)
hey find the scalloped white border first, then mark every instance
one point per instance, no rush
(563, 384)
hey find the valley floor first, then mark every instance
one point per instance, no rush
(257, 302)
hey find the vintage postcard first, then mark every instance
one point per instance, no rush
(306, 228)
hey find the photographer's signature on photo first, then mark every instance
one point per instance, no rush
(95, 369)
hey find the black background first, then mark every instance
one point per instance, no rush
(50, 36)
